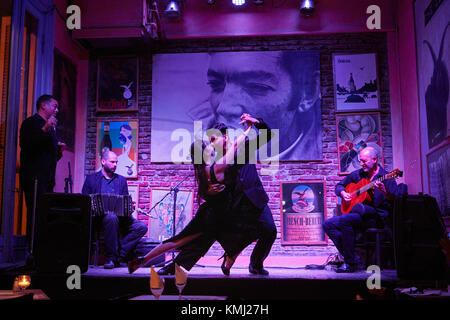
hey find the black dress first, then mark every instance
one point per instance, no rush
(215, 218)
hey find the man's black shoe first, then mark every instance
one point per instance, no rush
(260, 271)
(167, 270)
(345, 268)
(109, 264)
(120, 264)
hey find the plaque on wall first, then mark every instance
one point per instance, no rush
(303, 211)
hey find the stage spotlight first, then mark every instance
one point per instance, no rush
(258, 2)
(307, 7)
(211, 2)
(172, 10)
(238, 2)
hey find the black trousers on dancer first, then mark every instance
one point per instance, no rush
(266, 233)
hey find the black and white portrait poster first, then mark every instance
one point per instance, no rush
(191, 91)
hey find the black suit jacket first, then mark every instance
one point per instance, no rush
(93, 184)
(247, 178)
(39, 153)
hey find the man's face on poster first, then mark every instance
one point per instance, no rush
(253, 83)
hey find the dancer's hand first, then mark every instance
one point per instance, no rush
(216, 188)
(248, 119)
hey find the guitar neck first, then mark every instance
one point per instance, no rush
(370, 185)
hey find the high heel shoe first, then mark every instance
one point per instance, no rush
(225, 269)
(135, 264)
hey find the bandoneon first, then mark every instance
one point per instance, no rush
(118, 205)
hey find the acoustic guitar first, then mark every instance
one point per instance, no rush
(359, 191)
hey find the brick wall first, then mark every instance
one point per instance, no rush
(164, 175)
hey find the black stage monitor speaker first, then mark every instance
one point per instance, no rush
(418, 228)
(62, 234)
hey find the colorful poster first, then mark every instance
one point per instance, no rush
(121, 137)
(161, 221)
(355, 131)
(303, 212)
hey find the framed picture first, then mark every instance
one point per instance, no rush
(303, 211)
(120, 136)
(438, 163)
(188, 94)
(117, 83)
(161, 222)
(355, 131)
(133, 190)
(432, 26)
(64, 90)
(355, 82)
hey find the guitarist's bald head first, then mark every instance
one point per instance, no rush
(370, 151)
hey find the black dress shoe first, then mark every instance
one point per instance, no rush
(260, 271)
(167, 270)
(345, 268)
(109, 264)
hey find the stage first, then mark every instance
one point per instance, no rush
(289, 279)
(285, 282)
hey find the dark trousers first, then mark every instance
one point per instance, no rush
(121, 234)
(342, 229)
(28, 187)
(266, 233)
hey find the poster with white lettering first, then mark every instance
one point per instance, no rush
(303, 211)
(117, 83)
(355, 82)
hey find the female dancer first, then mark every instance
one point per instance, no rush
(215, 184)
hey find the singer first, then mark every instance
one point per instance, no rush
(40, 150)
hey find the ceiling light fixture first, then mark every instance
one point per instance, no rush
(173, 10)
(238, 2)
(307, 7)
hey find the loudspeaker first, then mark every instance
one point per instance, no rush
(417, 229)
(62, 232)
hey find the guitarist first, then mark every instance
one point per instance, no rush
(341, 229)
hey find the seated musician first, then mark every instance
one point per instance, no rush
(341, 229)
(121, 233)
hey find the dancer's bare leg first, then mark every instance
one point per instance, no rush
(159, 250)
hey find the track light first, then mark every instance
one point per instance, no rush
(238, 2)
(172, 10)
(307, 7)
(258, 2)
